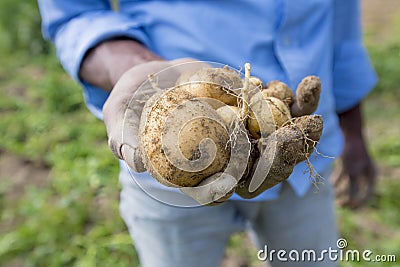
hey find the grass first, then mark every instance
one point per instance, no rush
(375, 227)
(73, 219)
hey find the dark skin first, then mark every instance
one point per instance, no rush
(105, 64)
(355, 181)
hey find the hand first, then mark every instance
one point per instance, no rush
(123, 108)
(355, 178)
(103, 65)
(122, 113)
(213, 190)
(279, 154)
(123, 65)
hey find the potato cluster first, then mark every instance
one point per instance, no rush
(186, 131)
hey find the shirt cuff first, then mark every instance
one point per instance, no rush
(94, 99)
(84, 32)
(353, 75)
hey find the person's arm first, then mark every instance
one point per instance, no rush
(80, 29)
(107, 50)
(354, 78)
(96, 46)
(357, 166)
(104, 64)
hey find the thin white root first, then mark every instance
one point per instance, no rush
(153, 83)
(245, 92)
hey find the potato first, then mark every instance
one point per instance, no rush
(255, 81)
(307, 96)
(182, 139)
(281, 91)
(279, 154)
(229, 114)
(215, 133)
(222, 84)
(269, 112)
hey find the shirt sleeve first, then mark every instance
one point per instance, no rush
(353, 73)
(75, 26)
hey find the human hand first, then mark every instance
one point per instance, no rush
(280, 152)
(213, 190)
(122, 115)
(291, 143)
(355, 177)
(123, 108)
(103, 67)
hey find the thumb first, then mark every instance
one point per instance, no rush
(213, 190)
(132, 158)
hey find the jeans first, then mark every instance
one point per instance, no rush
(188, 237)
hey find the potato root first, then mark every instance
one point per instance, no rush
(229, 114)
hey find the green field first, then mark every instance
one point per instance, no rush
(58, 180)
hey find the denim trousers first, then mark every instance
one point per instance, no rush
(166, 235)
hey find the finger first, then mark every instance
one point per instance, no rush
(371, 174)
(340, 181)
(116, 105)
(343, 201)
(280, 152)
(336, 176)
(362, 189)
(370, 182)
(122, 110)
(159, 76)
(215, 189)
(354, 192)
(132, 158)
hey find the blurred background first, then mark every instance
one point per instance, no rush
(58, 180)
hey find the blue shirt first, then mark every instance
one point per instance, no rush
(282, 39)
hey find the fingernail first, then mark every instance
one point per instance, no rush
(132, 158)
